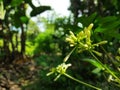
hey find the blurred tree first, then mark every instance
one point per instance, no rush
(44, 40)
(13, 23)
(87, 7)
(32, 31)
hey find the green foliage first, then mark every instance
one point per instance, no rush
(109, 27)
(32, 31)
(19, 17)
(44, 41)
(89, 19)
(99, 66)
(82, 41)
(49, 47)
(13, 27)
(30, 48)
(39, 10)
(15, 3)
(2, 11)
(95, 63)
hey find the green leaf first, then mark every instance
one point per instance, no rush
(87, 20)
(19, 18)
(108, 26)
(95, 63)
(39, 10)
(96, 70)
(109, 22)
(24, 19)
(16, 19)
(16, 2)
(113, 34)
(30, 3)
(105, 20)
(115, 3)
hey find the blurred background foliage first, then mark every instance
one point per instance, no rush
(20, 36)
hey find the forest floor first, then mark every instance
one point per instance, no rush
(17, 75)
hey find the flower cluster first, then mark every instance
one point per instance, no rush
(59, 70)
(82, 40)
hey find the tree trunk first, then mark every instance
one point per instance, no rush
(23, 40)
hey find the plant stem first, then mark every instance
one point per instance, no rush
(67, 75)
(107, 54)
(96, 58)
(67, 57)
(105, 67)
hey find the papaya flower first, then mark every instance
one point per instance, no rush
(59, 70)
(83, 40)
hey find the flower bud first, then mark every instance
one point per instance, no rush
(90, 26)
(97, 53)
(102, 42)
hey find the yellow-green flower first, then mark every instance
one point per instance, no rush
(83, 40)
(72, 39)
(59, 70)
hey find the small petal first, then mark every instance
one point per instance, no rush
(97, 53)
(73, 36)
(90, 26)
(102, 42)
(57, 77)
(48, 74)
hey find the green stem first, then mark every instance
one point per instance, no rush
(116, 84)
(67, 57)
(112, 73)
(96, 58)
(81, 82)
(105, 67)
(107, 54)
